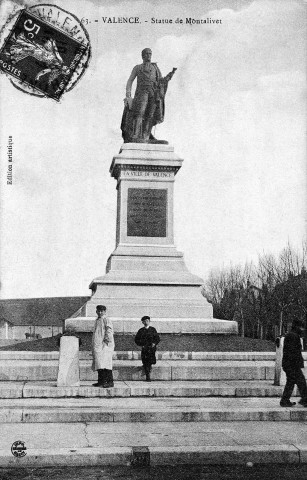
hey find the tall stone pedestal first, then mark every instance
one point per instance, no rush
(146, 275)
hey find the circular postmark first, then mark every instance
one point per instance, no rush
(46, 50)
(19, 448)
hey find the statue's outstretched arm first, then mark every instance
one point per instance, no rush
(169, 76)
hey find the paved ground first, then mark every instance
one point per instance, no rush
(160, 434)
(182, 472)
(158, 444)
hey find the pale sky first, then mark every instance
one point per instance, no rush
(235, 112)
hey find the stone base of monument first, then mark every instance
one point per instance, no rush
(146, 274)
(174, 326)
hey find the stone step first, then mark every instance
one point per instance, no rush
(153, 409)
(126, 444)
(136, 355)
(132, 370)
(128, 459)
(229, 388)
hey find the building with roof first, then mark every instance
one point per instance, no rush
(30, 318)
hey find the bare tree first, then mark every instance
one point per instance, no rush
(264, 297)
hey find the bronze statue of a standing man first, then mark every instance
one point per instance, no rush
(147, 107)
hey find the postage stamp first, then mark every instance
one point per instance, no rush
(41, 54)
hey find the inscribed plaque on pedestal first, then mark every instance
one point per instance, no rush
(146, 212)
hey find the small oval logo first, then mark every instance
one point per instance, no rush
(19, 449)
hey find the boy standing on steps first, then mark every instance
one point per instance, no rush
(147, 338)
(103, 348)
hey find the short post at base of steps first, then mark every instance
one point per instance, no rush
(69, 372)
(279, 375)
(140, 456)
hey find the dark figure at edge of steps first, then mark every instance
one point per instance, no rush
(292, 364)
(147, 338)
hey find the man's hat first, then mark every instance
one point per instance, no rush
(145, 318)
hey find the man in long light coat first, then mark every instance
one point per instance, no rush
(103, 348)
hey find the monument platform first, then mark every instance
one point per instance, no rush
(200, 408)
(146, 274)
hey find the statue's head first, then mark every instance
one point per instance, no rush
(146, 54)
